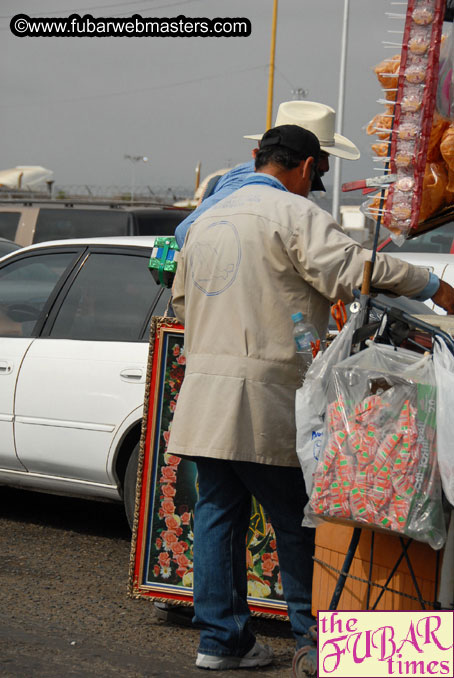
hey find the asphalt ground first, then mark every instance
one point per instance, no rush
(64, 608)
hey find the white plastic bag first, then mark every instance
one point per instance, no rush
(378, 466)
(444, 375)
(310, 401)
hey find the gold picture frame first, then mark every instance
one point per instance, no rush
(161, 549)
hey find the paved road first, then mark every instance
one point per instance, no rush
(64, 609)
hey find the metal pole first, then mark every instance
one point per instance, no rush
(340, 112)
(269, 111)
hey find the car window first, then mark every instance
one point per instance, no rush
(162, 302)
(25, 286)
(109, 300)
(56, 224)
(8, 224)
(438, 241)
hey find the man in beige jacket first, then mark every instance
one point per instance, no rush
(248, 263)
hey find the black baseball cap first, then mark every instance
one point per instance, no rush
(301, 141)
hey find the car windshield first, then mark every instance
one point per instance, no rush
(438, 241)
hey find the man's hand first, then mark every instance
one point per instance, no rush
(444, 297)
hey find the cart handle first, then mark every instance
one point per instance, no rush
(411, 320)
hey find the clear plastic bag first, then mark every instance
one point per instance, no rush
(379, 465)
(444, 375)
(445, 88)
(311, 400)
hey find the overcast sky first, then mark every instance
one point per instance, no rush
(78, 105)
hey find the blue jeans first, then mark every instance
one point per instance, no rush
(222, 516)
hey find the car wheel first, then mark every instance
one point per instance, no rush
(129, 488)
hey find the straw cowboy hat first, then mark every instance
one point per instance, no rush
(319, 119)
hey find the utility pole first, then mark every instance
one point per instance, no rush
(340, 113)
(269, 110)
(134, 160)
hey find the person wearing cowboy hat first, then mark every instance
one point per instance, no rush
(249, 263)
(315, 117)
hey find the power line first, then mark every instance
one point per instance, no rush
(137, 91)
(45, 13)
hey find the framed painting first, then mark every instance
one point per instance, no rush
(162, 541)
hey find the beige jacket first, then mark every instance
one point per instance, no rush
(248, 263)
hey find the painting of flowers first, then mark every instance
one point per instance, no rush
(162, 566)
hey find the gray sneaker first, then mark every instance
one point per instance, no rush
(260, 655)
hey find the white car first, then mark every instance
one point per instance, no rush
(433, 250)
(74, 331)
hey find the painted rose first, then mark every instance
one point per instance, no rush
(163, 558)
(158, 543)
(186, 518)
(176, 350)
(168, 506)
(181, 571)
(177, 374)
(169, 537)
(156, 570)
(183, 561)
(166, 436)
(172, 522)
(172, 459)
(168, 491)
(181, 360)
(178, 548)
(168, 474)
(172, 405)
(267, 565)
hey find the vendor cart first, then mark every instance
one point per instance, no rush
(382, 571)
(361, 566)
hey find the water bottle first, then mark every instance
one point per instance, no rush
(305, 336)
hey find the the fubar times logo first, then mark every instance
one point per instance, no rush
(416, 644)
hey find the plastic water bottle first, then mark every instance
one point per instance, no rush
(305, 335)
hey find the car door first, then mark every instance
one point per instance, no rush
(28, 283)
(92, 359)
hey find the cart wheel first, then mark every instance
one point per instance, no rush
(305, 662)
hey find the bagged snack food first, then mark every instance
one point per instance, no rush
(387, 72)
(410, 124)
(439, 127)
(310, 400)
(378, 465)
(447, 152)
(433, 190)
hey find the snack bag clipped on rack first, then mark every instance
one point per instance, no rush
(379, 464)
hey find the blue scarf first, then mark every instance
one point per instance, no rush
(264, 180)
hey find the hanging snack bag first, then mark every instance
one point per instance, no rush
(379, 465)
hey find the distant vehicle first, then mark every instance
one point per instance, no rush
(32, 221)
(25, 177)
(433, 250)
(7, 246)
(438, 241)
(74, 330)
